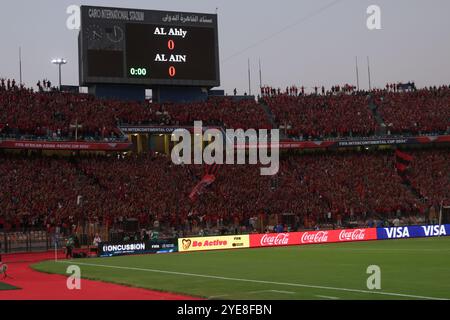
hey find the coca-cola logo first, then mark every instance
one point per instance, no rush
(315, 237)
(275, 240)
(352, 235)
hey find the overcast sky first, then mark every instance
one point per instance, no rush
(297, 41)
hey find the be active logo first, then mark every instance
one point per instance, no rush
(209, 243)
(192, 243)
(214, 243)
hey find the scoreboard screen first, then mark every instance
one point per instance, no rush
(142, 47)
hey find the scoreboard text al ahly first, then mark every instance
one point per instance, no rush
(142, 47)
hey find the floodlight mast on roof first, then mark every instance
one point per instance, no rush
(59, 62)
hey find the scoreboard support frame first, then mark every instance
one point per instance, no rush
(180, 94)
(161, 94)
(118, 92)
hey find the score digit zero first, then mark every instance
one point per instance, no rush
(172, 71)
(171, 44)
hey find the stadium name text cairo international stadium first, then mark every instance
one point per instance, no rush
(237, 141)
(109, 14)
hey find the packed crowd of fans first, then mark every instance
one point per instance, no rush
(416, 112)
(55, 115)
(38, 191)
(323, 116)
(430, 174)
(318, 188)
(243, 114)
(338, 112)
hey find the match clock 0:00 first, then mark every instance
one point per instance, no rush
(138, 72)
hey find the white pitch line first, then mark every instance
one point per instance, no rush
(381, 249)
(276, 291)
(279, 291)
(328, 297)
(219, 296)
(253, 281)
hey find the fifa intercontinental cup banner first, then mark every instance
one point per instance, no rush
(110, 249)
(312, 237)
(413, 232)
(213, 243)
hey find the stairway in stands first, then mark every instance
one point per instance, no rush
(414, 191)
(270, 116)
(93, 180)
(382, 129)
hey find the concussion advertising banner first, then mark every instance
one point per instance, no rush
(110, 249)
(413, 232)
(213, 243)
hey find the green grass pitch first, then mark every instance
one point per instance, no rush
(5, 286)
(410, 269)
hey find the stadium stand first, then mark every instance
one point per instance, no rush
(325, 189)
(335, 114)
(319, 117)
(430, 174)
(319, 189)
(415, 113)
(54, 115)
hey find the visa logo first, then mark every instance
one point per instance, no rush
(433, 231)
(398, 232)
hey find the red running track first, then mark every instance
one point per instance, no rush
(41, 286)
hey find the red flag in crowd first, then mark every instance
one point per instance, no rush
(208, 179)
(403, 160)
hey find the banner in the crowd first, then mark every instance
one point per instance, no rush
(61, 145)
(275, 239)
(292, 144)
(213, 243)
(413, 232)
(158, 129)
(109, 249)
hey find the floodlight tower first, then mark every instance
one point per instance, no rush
(59, 62)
